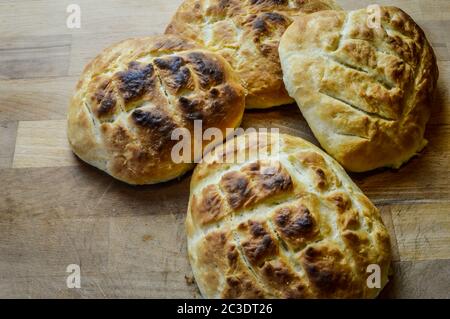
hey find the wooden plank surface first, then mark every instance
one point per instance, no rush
(42, 144)
(130, 241)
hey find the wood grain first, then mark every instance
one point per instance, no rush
(422, 231)
(419, 279)
(35, 99)
(129, 241)
(424, 179)
(8, 131)
(42, 144)
(34, 57)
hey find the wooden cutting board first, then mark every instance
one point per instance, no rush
(130, 241)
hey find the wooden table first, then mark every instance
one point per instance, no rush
(130, 241)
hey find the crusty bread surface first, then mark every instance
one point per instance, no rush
(365, 91)
(283, 222)
(247, 34)
(135, 94)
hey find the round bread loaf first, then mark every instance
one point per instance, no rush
(364, 88)
(246, 33)
(132, 97)
(285, 222)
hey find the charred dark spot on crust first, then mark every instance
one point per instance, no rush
(230, 93)
(236, 186)
(340, 201)
(275, 17)
(260, 245)
(322, 278)
(105, 98)
(107, 104)
(269, 179)
(172, 64)
(322, 179)
(182, 77)
(135, 81)
(233, 282)
(217, 107)
(283, 218)
(257, 230)
(209, 206)
(324, 269)
(254, 167)
(274, 180)
(178, 74)
(320, 173)
(269, 49)
(221, 99)
(145, 118)
(232, 255)
(279, 182)
(156, 121)
(398, 69)
(353, 239)
(304, 223)
(186, 103)
(190, 108)
(265, 182)
(312, 252)
(260, 24)
(269, 2)
(209, 71)
(238, 192)
(214, 92)
(295, 223)
(403, 48)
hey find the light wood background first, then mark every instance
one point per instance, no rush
(129, 241)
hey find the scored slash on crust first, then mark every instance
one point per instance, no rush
(246, 33)
(136, 93)
(365, 92)
(291, 226)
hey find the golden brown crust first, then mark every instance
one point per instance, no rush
(365, 92)
(282, 230)
(254, 183)
(132, 97)
(246, 33)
